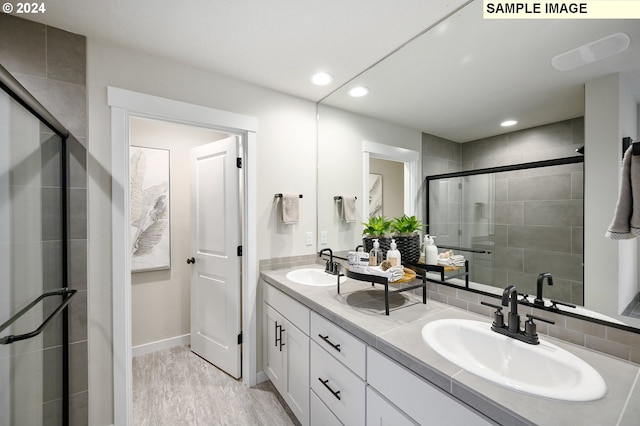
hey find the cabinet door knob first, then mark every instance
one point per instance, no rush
(191, 260)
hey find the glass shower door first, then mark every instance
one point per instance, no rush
(477, 225)
(32, 263)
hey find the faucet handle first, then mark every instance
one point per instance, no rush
(530, 328)
(554, 304)
(498, 317)
(534, 317)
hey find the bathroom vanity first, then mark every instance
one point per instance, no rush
(338, 359)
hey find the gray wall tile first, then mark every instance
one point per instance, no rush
(22, 46)
(67, 102)
(540, 188)
(548, 238)
(67, 56)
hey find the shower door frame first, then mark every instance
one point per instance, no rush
(16, 91)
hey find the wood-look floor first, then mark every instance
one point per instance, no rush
(176, 387)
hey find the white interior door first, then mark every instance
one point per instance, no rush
(215, 237)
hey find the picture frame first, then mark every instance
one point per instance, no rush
(150, 224)
(375, 195)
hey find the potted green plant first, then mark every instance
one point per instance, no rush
(378, 227)
(406, 233)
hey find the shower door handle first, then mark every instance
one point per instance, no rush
(191, 260)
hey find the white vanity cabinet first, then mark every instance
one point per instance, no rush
(382, 412)
(414, 397)
(337, 377)
(286, 349)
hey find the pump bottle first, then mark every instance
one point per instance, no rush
(430, 250)
(393, 255)
(375, 255)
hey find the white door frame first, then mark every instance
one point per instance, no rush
(411, 160)
(125, 104)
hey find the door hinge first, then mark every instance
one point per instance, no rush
(239, 250)
(239, 162)
(240, 338)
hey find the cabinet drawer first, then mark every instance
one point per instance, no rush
(290, 308)
(320, 414)
(421, 400)
(338, 387)
(343, 346)
(382, 412)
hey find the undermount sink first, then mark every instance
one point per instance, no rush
(544, 370)
(314, 277)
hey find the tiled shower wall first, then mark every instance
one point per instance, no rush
(51, 65)
(538, 212)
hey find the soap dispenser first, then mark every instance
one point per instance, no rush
(375, 255)
(393, 255)
(430, 250)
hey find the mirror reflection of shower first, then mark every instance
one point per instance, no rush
(513, 222)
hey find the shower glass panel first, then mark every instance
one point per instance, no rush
(514, 222)
(32, 262)
(461, 217)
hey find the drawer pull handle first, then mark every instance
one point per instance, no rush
(335, 393)
(333, 345)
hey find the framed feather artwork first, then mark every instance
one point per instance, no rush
(375, 195)
(150, 208)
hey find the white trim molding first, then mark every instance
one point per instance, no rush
(125, 104)
(411, 160)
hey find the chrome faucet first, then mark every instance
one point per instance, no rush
(512, 329)
(330, 267)
(539, 301)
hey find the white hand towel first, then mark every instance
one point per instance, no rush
(290, 208)
(626, 219)
(348, 210)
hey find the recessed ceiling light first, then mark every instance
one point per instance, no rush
(358, 91)
(321, 78)
(508, 123)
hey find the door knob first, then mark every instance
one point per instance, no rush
(191, 260)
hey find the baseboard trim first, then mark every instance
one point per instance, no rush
(261, 377)
(160, 345)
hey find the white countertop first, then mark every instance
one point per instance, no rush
(359, 309)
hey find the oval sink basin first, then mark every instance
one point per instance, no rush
(544, 370)
(313, 277)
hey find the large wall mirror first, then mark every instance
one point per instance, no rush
(444, 95)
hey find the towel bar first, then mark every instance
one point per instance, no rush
(280, 196)
(339, 198)
(626, 142)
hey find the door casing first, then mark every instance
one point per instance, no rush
(124, 105)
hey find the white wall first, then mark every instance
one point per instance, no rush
(160, 300)
(610, 270)
(628, 283)
(340, 168)
(286, 160)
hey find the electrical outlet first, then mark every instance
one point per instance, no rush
(323, 237)
(309, 238)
